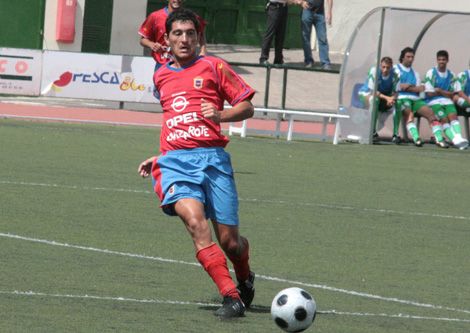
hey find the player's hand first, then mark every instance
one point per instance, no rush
(146, 167)
(157, 47)
(209, 111)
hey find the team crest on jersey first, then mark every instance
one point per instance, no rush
(198, 82)
(171, 189)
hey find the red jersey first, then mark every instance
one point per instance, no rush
(181, 91)
(154, 29)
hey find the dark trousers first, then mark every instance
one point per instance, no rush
(275, 29)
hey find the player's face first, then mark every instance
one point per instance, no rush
(408, 59)
(442, 63)
(385, 68)
(183, 40)
(175, 4)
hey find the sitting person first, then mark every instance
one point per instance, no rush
(410, 103)
(386, 95)
(462, 89)
(439, 88)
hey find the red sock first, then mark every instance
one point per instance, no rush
(213, 260)
(240, 263)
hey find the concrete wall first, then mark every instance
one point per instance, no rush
(49, 42)
(128, 15)
(127, 18)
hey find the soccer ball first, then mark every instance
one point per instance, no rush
(293, 309)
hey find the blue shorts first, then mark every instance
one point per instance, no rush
(204, 174)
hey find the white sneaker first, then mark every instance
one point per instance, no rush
(460, 142)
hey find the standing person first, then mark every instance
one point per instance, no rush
(276, 24)
(462, 88)
(316, 13)
(386, 95)
(152, 33)
(193, 176)
(439, 88)
(410, 103)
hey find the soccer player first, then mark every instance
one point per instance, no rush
(462, 88)
(193, 176)
(439, 88)
(386, 95)
(410, 103)
(152, 33)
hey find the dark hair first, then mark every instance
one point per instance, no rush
(387, 60)
(183, 15)
(442, 53)
(405, 51)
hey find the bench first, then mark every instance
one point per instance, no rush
(290, 116)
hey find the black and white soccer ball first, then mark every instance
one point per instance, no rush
(293, 309)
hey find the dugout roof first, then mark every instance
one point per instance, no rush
(385, 31)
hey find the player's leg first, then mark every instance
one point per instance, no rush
(271, 20)
(408, 114)
(306, 29)
(425, 111)
(439, 112)
(222, 209)
(397, 115)
(281, 26)
(209, 255)
(459, 141)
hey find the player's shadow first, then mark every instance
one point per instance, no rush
(259, 309)
(253, 308)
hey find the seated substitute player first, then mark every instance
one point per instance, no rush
(386, 95)
(410, 103)
(462, 88)
(193, 176)
(439, 88)
(152, 33)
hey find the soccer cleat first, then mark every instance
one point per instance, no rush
(231, 308)
(442, 144)
(418, 143)
(396, 139)
(246, 289)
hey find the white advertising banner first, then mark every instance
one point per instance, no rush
(95, 76)
(20, 71)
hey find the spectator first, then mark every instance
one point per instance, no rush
(410, 103)
(193, 176)
(316, 13)
(276, 24)
(462, 88)
(439, 88)
(152, 33)
(386, 95)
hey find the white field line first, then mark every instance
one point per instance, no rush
(172, 302)
(264, 277)
(277, 202)
(85, 121)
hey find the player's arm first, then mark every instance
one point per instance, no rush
(239, 112)
(411, 88)
(145, 168)
(154, 46)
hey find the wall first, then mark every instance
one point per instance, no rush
(128, 15)
(49, 42)
(127, 18)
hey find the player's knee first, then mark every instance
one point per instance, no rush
(230, 245)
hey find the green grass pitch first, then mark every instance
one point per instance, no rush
(379, 235)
